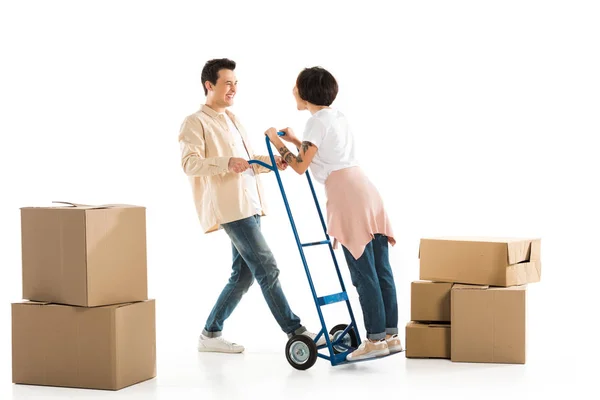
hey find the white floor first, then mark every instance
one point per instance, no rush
(253, 375)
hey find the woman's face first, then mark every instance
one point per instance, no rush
(300, 104)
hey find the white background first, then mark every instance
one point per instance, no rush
(471, 117)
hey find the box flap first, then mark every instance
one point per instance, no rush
(51, 304)
(430, 283)
(460, 286)
(120, 305)
(515, 288)
(131, 302)
(35, 303)
(520, 251)
(486, 239)
(421, 324)
(66, 205)
(425, 325)
(439, 325)
(101, 206)
(75, 307)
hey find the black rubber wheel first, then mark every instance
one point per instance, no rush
(301, 352)
(349, 339)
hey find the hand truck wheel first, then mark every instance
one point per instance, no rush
(349, 339)
(301, 352)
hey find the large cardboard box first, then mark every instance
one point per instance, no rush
(430, 301)
(488, 324)
(427, 340)
(107, 347)
(84, 255)
(481, 261)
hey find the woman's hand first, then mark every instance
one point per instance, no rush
(271, 133)
(289, 136)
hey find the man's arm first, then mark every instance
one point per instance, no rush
(193, 160)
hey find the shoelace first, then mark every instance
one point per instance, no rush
(225, 341)
(221, 339)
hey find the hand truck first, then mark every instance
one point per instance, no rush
(301, 351)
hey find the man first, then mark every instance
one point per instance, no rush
(228, 194)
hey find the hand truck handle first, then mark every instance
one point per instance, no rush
(280, 133)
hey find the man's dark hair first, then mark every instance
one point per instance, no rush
(211, 69)
(317, 86)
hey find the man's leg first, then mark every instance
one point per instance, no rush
(239, 282)
(252, 246)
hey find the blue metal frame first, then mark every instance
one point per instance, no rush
(335, 359)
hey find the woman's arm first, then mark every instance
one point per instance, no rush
(299, 162)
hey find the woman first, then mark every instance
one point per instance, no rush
(356, 216)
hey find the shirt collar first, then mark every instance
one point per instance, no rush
(212, 113)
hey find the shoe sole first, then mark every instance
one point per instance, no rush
(373, 354)
(396, 349)
(208, 350)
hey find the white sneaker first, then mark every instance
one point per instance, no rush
(218, 345)
(321, 341)
(394, 343)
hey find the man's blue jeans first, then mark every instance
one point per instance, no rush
(252, 259)
(372, 276)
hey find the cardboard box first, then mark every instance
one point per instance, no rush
(108, 347)
(427, 340)
(430, 301)
(488, 324)
(84, 255)
(482, 261)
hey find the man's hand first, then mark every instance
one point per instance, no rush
(238, 165)
(281, 164)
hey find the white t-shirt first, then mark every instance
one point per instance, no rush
(248, 178)
(328, 130)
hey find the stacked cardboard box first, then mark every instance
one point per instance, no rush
(428, 332)
(469, 304)
(88, 322)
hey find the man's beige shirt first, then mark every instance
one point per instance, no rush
(206, 147)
